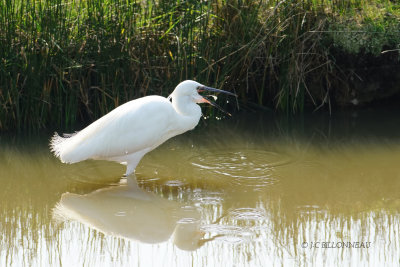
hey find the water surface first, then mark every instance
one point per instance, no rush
(252, 190)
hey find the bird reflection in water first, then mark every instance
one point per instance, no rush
(128, 211)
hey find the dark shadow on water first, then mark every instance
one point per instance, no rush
(346, 124)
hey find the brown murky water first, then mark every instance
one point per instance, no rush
(249, 191)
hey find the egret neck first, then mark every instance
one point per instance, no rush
(187, 109)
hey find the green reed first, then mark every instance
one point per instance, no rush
(69, 61)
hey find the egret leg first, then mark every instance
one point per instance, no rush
(132, 160)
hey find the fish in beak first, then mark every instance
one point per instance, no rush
(212, 103)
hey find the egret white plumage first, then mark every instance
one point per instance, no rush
(131, 130)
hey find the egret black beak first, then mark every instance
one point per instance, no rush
(210, 89)
(212, 103)
(203, 88)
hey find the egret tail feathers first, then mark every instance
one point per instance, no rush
(56, 144)
(59, 145)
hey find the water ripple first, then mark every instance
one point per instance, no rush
(174, 183)
(248, 214)
(249, 167)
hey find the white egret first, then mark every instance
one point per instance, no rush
(131, 130)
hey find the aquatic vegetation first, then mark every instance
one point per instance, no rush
(69, 61)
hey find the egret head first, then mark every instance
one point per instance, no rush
(190, 90)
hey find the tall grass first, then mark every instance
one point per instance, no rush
(68, 61)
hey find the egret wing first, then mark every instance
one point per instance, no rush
(134, 126)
